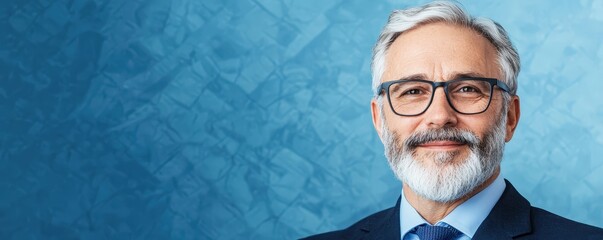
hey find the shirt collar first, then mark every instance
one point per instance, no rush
(466, 217)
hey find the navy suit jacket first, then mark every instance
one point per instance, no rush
(511, 218)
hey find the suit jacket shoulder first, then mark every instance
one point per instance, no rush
(381, 225)
(514, 218)
(549, 224)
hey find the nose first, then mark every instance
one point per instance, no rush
(440, 114)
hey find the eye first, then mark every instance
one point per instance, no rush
(412, 92)
(468, 89)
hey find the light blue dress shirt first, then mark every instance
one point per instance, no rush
(466, 217)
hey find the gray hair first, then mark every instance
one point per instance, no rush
(450, 12)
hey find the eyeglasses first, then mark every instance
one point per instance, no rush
(471, 95)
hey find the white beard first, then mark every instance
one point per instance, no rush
(448, 180)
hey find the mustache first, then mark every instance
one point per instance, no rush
(442, 134)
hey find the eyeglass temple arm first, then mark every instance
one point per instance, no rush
(503, 86)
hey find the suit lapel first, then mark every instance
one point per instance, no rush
(509, 218)
(384, 228)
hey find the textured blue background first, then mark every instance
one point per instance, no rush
(189, 119)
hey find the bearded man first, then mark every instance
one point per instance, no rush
(445, 104)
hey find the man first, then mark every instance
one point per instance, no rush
(445, 104)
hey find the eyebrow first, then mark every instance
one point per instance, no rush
(457, 75)
(454, 75)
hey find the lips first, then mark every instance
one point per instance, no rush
(442, 145)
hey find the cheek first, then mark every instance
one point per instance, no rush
(480, 125)
(402, 126)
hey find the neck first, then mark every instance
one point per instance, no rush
(433, 211)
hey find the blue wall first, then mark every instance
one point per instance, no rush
(187, 119)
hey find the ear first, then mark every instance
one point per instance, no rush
(376, 116)
(512, 118)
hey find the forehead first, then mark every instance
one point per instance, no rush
(439, 51)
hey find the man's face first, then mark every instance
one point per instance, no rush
(443, 52)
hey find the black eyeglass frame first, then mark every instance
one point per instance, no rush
(492, 81)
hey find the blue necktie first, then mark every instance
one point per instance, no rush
(428, 232)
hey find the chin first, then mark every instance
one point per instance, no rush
(441, 158)
(452, 177)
